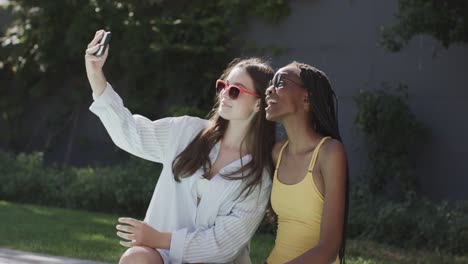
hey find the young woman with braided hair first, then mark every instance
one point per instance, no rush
(310, 184)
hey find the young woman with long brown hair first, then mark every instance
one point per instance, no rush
(215, 183)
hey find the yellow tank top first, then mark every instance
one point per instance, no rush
(299, 208)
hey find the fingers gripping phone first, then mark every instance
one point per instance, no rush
(103, 44)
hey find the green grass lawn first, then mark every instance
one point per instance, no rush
(59, 232)
(87, 235)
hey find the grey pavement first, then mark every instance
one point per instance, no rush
(9, 256)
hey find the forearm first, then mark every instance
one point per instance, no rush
(161, 241)
(141, 234)
(97, 80)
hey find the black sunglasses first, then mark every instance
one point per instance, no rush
(278, 82)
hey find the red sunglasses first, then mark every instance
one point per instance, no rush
(233, 90)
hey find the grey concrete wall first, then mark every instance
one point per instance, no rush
(340, 37)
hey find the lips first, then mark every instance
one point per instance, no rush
(223, 103)
(270, 101)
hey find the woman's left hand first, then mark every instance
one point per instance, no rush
(140, 233)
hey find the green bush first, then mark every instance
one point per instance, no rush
(125, 188)
(393, 137)
(415, 223)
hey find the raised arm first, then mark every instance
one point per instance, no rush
(133, 133)
(94, 64)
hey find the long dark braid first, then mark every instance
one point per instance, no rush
(324, 119)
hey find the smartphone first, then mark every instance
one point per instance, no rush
(103, 45)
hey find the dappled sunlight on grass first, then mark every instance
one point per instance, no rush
(104, 220)
(59, 232)
(91, 237)
(41, 211)
(86, 235)
(359, 260)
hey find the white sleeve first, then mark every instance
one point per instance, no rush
(223, 241)
(135, 134)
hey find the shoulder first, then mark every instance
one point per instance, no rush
(332, 157)
(189, 120)
(183, 129)
(189, 124)
(332, 147)
(277, 149)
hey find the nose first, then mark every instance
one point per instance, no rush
(270, 90)
(224, 93)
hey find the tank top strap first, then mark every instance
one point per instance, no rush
(315, 154)
(278, 162)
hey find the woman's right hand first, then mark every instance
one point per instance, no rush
(94, 64)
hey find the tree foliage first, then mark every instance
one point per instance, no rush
(445, 20)
(160, 50)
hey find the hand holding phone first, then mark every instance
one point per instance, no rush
(103, 44)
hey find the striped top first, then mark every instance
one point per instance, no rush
(299, 208)
(219, 229)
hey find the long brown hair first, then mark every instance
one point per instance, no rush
(259, 138)
(323, 116)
